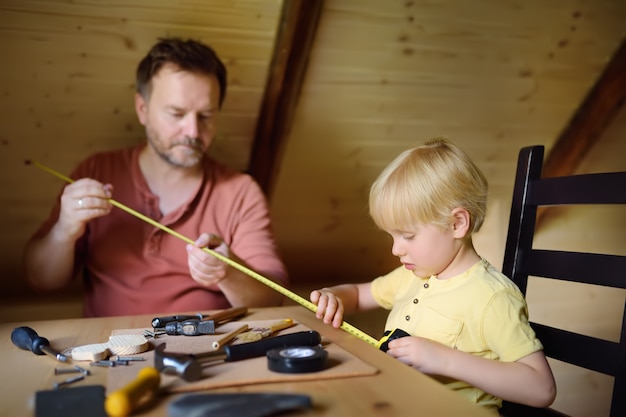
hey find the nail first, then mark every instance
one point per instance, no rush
(84, 371)
(58, 385)
(130, 358)
(58, 371)
(102, 363)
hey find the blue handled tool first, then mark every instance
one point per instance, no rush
(28, 339)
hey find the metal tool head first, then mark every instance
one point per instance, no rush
(184, 365)
(192, 327)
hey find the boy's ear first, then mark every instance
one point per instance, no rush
(461, 222)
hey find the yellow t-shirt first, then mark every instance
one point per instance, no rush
(481, 312)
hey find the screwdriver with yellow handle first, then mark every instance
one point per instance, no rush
(122, 402)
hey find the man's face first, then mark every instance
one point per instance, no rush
(180, 115)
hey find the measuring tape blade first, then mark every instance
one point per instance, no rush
(268, 282)
(293, 296)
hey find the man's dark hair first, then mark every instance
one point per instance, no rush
(188, 55)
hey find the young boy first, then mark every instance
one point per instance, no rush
(468, 323)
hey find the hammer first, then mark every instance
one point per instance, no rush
(197, 326)
(189, 367)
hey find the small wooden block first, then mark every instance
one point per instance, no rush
(126, 344)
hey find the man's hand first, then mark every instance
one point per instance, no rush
(205, 268)
(81, 201)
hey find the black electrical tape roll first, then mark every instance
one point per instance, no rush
(297, 359)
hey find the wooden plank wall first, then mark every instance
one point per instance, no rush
(385, 76)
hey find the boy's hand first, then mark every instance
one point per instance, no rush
(329, 307)
(423, 354)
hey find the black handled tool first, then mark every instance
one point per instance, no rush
(255, 349)
(189, 367)
(238, 404)
(161, 322)
(28, 339)
(195, 327)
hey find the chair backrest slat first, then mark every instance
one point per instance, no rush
(592, 353)
(521, 260)
(588, 268)
(579, 189)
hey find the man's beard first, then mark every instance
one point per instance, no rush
(192, 157)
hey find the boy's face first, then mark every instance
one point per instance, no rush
(426, 250)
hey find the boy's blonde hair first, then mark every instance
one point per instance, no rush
(423, 185)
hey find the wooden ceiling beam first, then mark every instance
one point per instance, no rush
(586, 126)
(592, 117)
(296, 31)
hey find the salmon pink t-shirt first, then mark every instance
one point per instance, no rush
(132, 267)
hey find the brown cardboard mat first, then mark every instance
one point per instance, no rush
(341, 364)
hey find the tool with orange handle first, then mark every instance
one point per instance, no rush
(122, 402)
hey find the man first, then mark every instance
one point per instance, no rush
(131, 267)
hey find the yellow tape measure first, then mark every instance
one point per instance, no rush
(284, 291)
(290, 294)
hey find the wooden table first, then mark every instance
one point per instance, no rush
(396, 390)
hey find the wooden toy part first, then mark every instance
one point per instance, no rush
(126, 344)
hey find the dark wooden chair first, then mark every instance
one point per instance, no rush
(522, 260)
